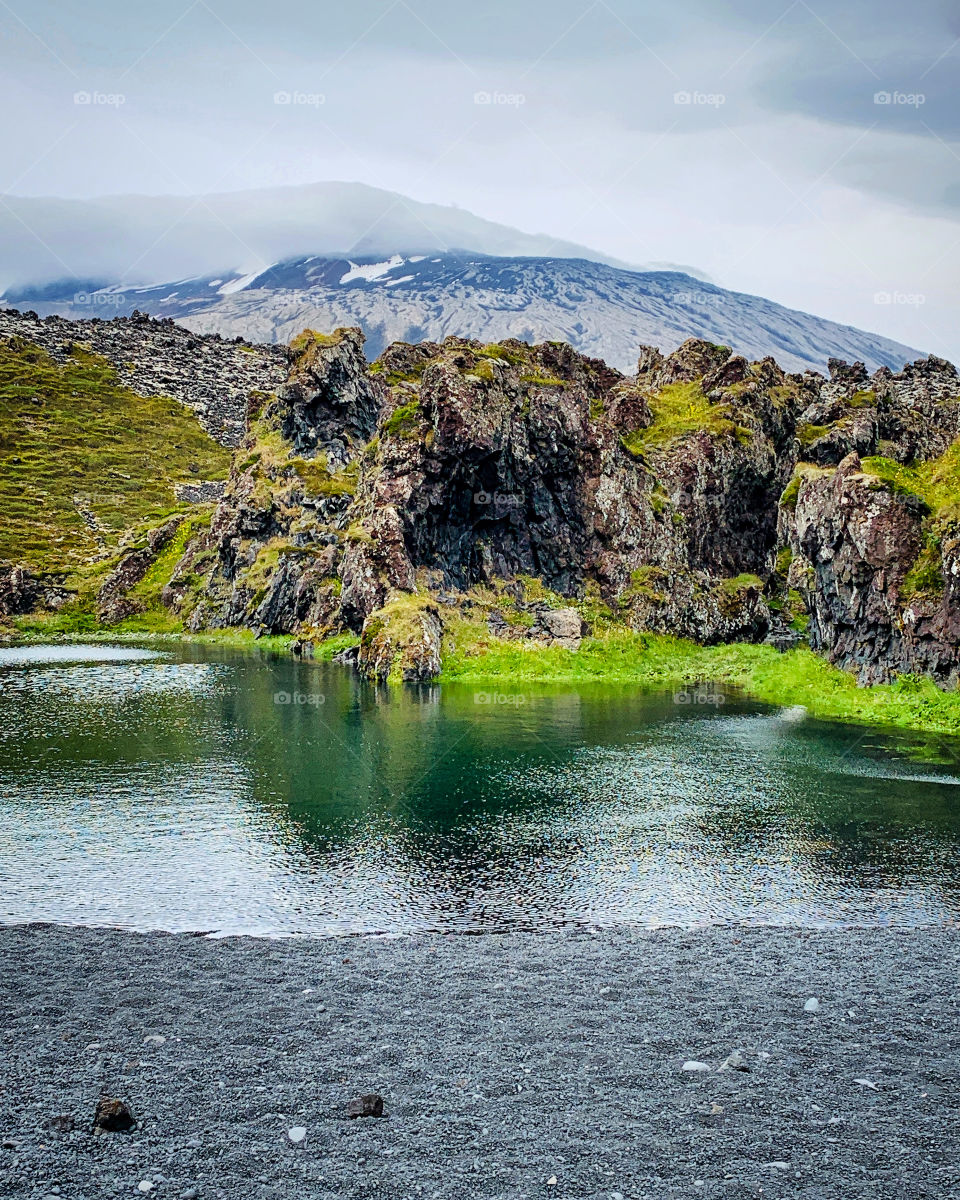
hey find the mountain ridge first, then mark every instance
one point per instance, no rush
(603, 311)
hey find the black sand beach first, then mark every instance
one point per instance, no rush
(545, 1065)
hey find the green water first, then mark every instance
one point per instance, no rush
(203, 789)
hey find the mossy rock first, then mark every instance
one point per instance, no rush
(401, 642)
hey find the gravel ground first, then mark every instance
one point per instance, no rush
(541, 1065)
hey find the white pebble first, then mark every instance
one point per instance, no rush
(157, 1038)
(145, 1185)
(296, 1134)
(812, 1005)
(693, 1066)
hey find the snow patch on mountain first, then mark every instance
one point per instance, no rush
(237, 285)
(371, 271)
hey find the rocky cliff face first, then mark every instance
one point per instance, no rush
(871, 523)
(529, 485)
(532, 492)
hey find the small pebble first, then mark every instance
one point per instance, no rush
(694, 1067)
(296, 1134)
(145, 1185)
(812, 1005)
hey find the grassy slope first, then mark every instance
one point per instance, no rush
(75, 442)
(679, 409)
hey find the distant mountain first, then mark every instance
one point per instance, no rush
(602, 310)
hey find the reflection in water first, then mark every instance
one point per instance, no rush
(215, 790)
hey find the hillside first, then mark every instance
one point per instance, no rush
(87, 461)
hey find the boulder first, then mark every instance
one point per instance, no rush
(565, 626)
(369, 1105)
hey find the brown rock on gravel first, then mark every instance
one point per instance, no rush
(112, 1116)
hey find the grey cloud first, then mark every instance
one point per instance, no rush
(600, 152)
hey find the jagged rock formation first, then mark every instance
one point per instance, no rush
(114, 599)
(23, 591)
(271, 553)
(378, 501)
(873, 539)
(530, 491)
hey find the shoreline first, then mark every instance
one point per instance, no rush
(650, 662)
(512, 1065)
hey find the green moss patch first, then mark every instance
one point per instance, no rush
(404, 421)
(680, 409)
(936, 483)
(541, 379)
(807, 434)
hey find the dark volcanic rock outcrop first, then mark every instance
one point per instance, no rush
(522, 492)
(705, 496)
(875, 606)
(23, 591)
(271, 556)
(114, 600)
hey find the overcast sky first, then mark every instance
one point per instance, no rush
(749, 139)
